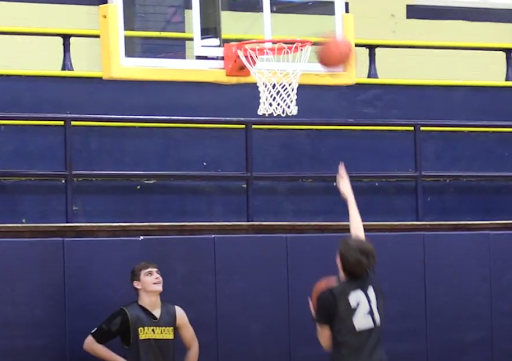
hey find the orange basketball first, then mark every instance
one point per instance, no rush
(322, 285)
(334, 52)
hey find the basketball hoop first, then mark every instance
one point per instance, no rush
(261, 58)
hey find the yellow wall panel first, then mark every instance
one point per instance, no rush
(45, 53)
(374, 19)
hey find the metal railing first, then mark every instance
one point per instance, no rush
(371, 45)
(418, 175)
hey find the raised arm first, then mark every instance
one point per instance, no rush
(345, 188)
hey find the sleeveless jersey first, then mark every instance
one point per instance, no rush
(356, 330)
(151, 340)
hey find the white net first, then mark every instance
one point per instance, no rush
(277, 84)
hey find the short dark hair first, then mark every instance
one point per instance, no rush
(138, 269)
(357, 257)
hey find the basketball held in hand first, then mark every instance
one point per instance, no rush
(322, 285)
(334, 52)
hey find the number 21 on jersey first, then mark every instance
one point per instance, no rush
(366, 315)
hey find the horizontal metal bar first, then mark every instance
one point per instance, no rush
(438, 45)
(89, 33)
(32, 174)
(291, 176)
(79, 230)
(29, 31)
(252, 121)
(160, 175)
(332, 176)
(463, 175)
(199, 175)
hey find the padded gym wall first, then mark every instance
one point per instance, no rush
(447, 294)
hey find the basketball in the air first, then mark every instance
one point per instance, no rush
(334, 52)
(322, 285)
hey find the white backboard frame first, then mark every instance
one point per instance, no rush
(217, 51)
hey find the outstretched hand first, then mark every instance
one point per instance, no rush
(343, 182)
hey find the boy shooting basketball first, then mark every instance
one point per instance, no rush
(146, 327)
(349, 316)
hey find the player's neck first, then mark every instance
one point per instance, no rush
(150, 301)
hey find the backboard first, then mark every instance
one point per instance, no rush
(197, 30)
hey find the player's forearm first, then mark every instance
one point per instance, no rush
(101, 351)
(192, 352)
(325, 338)
(105, 354)
(355, 220)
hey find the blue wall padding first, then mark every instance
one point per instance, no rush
(458, 285)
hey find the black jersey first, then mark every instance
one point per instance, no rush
(356, 327)
(151, 340)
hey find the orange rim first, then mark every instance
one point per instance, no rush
(280, 45)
